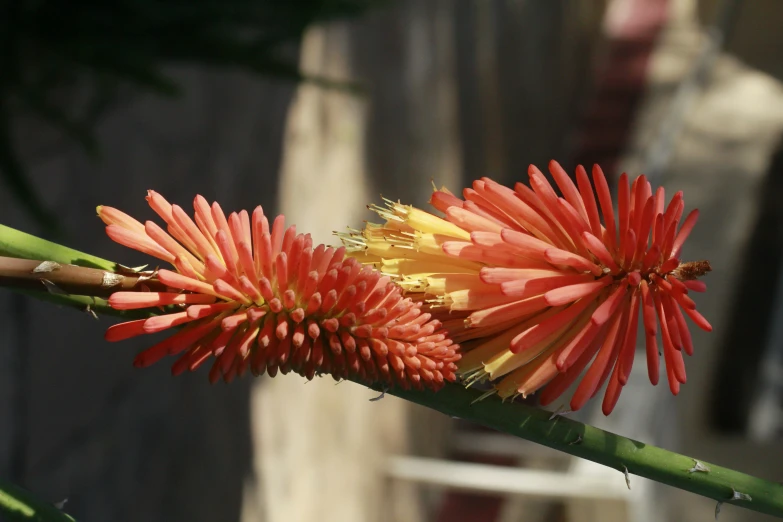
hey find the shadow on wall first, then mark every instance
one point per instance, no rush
(78, 421)
(755, 301)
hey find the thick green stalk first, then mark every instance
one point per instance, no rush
(574, 438)
(615, 451)
(14, 243)
(20, 505)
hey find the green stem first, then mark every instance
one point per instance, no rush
(18, 504)
(14, 243)
(86, 304)
(603, 447)
(572, 437)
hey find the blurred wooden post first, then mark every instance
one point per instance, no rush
(321, 447)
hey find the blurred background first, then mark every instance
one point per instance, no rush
(314, 108)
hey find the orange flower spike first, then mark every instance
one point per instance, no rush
(263, 300)
(112, 216)
(545, 285)
(588, 198)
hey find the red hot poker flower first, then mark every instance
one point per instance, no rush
(541, 288)
(260, 298)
